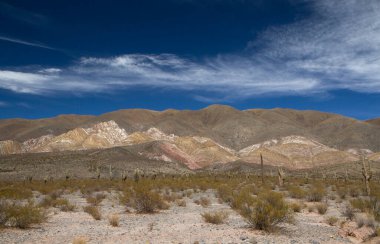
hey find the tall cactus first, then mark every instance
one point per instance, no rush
(97, 172)
(110, 172)
(262, 168)
(367, 174)
(124, 176)
(281, 176)
(136, 175)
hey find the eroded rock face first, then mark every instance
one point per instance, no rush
(295, 152)
(9, 147)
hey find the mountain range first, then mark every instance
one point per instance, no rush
(198, 139)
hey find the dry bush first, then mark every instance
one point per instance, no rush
(354, 191)
(310, 208)
(114, 220)
(349, 212)
(296, 207)
(316, 193)
(181, 203)
(332, 220)
(205, 202)
(322, 208)
(93, 211)
(296, 192)
(79, 240)
(225, 193)
(363, 205)
(342, 192)
(268, 210)
(95, 200)
(21, 215)
(15, 193)
(61, 203)
(217, 217)
(147, 201)
(378, 231)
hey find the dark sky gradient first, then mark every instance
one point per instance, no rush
(191, 29)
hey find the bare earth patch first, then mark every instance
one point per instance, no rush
(175, 225)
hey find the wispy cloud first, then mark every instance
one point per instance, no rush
(337, 47)
(22, 15)
(3, 104)
(18, 41)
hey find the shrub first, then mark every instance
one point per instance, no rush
(361, 204)
(181, 203)
(342, 192)
(378, 231)
(95, 200)
(310, 208)
(15, 193)
(218, 217)
(316, 194)
(21, 215)
(114, 220)
(332, 220)
(61, 203)
(269, 210)
(296, 192)
(296, 207)
(349, 212)
(93, 211)
(147, 201)
(322, 208)
(80, 240)
(205, 202)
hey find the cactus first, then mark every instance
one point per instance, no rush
(367, 174)
(346, 176)
(136, 175)
(110, 172)
(97, 172)
(45, 180)
(324, 176)
(281, 176)
(262, 168)
(124, 176)
(307, 177)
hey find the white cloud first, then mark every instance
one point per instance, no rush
(337, 47)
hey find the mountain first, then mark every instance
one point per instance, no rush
(198, 139)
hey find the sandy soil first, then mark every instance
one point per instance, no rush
(175, 225)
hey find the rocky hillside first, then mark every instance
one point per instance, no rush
(223, 124)
(195, 152)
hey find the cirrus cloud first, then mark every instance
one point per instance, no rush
(336, 47)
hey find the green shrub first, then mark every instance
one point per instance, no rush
(268, 210)
(93, 211)
(218, 217)
(21, 215)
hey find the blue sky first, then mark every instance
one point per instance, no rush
(92, 57)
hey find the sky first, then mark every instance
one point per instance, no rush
(92, 56)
